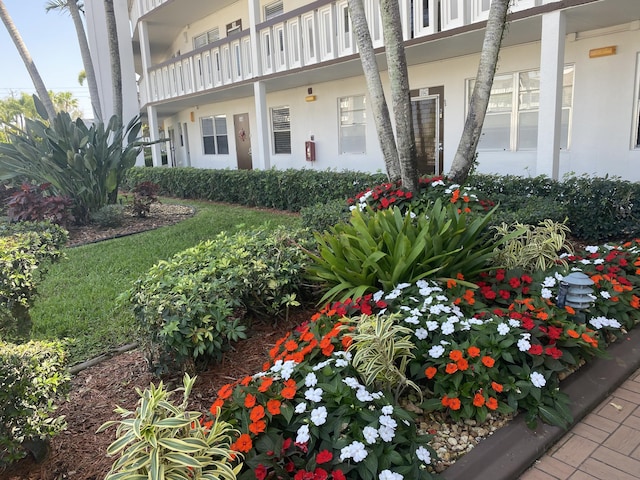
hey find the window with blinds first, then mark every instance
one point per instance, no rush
(206, 38)
(281, 128)
(215, 140)
(353, 124)
(273, 10)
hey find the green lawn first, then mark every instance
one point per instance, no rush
(77, 298)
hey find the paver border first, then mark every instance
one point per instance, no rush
(511, 450)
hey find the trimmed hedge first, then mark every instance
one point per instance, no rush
(32, 377)
(280, 189)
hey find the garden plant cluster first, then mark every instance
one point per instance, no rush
(460, 335)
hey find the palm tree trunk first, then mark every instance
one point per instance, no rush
(465, 155)
(400, 93)
(114, 53)
(378, 101)
(72, 5)
(28, 62)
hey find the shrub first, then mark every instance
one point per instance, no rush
(191, 306)
(144, 194)
(23, 259)
(109, 216)
(381, 249)
(322, 216)
(33, 376)
(163, 440)
(31, 203)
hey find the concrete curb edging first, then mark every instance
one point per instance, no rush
(511, 450)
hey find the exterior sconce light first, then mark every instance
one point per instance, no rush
(575, 291)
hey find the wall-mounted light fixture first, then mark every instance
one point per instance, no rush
(603, 51)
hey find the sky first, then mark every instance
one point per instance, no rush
(52, 42)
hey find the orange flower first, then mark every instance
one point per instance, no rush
(217, 405)
(473, 352)
(249, 400)
(569, 310)
(265, 384)
(257, 427)
(635, 301)
(542, 315)
(451, 283)
(497, 387)
(289, 390)
(346, 341)
(445, 401)
(307, 336)
(591, 341)
(273, 406)
(492, 403)
(243, 444)
(455, 196)
(257, 413)
(459, 276)
(467, 210)
(297, 357)
(430, 372)
(478, 400)
(226, 391)
(454, 403)
(315, 316)
(328, 350)
(462, 364)
(246, 380)
(488, 361)
(455, 355)
(451, 368)
(573, 333)
(291, 346)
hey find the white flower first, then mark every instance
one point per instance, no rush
(437, 183)
(591, 248)
(524, 345)
(448, 328)
(310, 380)
(546, 293)
(321, 365)
(584, 261)
(549, 282)
(303, 434)
(313, 394)
(341, 362)
(598, 261)
(503, 329)
(402, 286)
(301, 407)
(388, 421)
(421, 333)
(600, 322)
(389, 475)
(412, 319)
(378, 296)
(354, 450)
(537, 379)
(287, 369)
(436, 351)
(319, 416)
(423, 455)
(514, 323)
(370, 434)
(386, 433)
(431, 325)
(363, 395)
(387, 410)
(605, 294)
(393, 294)
(351, 382)
(352, 208)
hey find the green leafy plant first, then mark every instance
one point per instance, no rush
(109, 216)
(161, 440)
(33, 377)
(381, 249)
(383, 350)
(533, 248)
(85, 163)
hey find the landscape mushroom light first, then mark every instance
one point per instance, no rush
(576, 291)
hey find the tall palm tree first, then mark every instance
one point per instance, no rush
(114, 53)
(378, 101)
(74, 7)
(41, 90)
(496, 23)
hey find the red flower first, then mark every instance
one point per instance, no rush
(324, 456)
(535, 350)
(500, 275)
(261, 472)
(338, 475)
(554, 333)
(553, 352)
(320, 474)
(514, 282)
(504, 294)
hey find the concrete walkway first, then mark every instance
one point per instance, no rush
(605, 445)
(602, 444)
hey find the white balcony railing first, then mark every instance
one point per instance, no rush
(305, 38)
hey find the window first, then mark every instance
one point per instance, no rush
(353, 119)
(511, 122)
(273, 10)
(214, 135)
(281, 127)
(206, 38)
